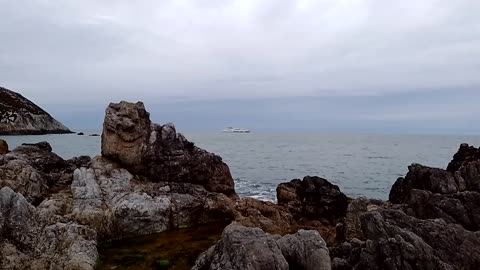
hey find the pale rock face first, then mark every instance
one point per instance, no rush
(115, 203)
(20, 116)
(32, 240)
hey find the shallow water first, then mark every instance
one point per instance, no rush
(361, 164)
(172, 250)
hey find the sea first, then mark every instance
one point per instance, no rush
(360, 164)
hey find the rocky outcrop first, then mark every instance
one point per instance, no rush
(35, 171)
(395, 240)
(32, 240)
(252, 249)
(433, 223)
(118, 204)
(159, 152)
(20, 116)
(313, 198)
(464, 155)
(3, 147)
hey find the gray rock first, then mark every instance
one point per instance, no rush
(115, 203)
(252, 249)
(20, 116)
(32, 240)
(159, 152)
(398, 241)
(34, 170)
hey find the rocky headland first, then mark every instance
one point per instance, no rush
(150, 179)
(20, 116)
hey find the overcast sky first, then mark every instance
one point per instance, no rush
(339, 65)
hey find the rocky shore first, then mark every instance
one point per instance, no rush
(151, 179)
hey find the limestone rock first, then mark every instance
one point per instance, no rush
(35, 171)
(398, 241)
(118, 204)
(251, 248)
(30, 240)
(3, 147)
(20, 116)
(313, 197)
(159, 152)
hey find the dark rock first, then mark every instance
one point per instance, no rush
(159, 152)
(465, 155)
(251, 248)
(424, 178)
(461, 208)
(313, 197)
(20, 116)
(3, 147)
(80, 133)
(94, 135)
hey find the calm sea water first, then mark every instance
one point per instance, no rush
(361, 164)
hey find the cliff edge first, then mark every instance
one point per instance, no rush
(20, 116)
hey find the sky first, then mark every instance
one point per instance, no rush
(325, 65)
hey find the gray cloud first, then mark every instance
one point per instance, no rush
(236, 48)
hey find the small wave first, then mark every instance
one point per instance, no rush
(379, 157)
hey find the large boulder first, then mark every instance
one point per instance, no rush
(313, 198)
(159, 152)
(243, 248)
(20, 116)
(3, 147)
(32, 240)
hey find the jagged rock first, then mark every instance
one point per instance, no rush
(117, 204)
(159, 152)
(469, 175)
(398, 241)
(461, 208)
(313, 197)
(35, 171)
(425, 178)
(3, 147)
(267, 216)
(251, 248)
(464, 155)
(30, 240)
(20, 116)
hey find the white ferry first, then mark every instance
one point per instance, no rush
(235, 130)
